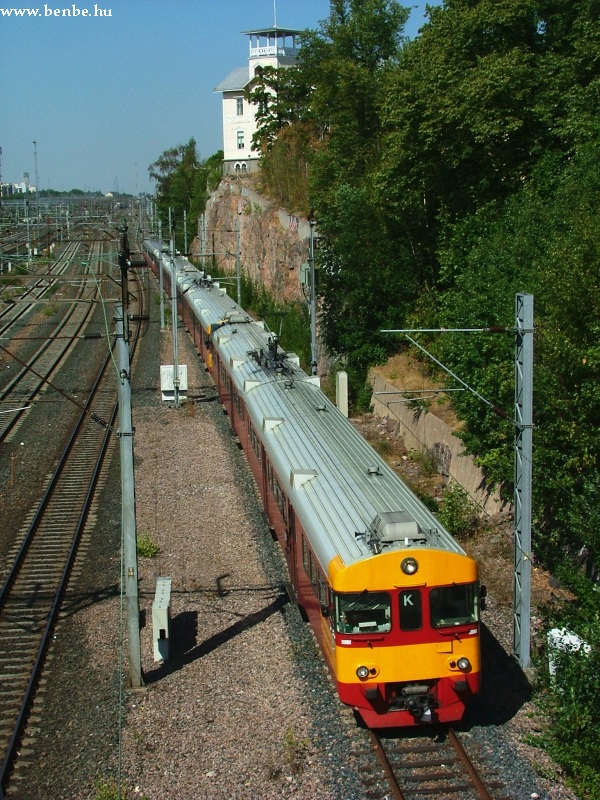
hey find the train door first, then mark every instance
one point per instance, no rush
(327, 622)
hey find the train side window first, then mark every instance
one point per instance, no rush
(367, 612)
(238, 405)
(305, 556)
(225, 377)
(321, 589)
(255, 442)
(411, 610)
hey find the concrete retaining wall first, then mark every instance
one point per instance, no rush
(423, 431)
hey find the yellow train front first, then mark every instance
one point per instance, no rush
(404, 649)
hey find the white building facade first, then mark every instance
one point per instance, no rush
(269, 47)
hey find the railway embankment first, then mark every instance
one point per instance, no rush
(416, 410)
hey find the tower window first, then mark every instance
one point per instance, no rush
(240, 140)
(240, 106)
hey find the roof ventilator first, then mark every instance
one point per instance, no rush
(393, 527)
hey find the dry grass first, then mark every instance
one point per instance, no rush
(405, 372)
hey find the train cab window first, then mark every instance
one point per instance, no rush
(454, 605)
(411, 610)
(367, 612)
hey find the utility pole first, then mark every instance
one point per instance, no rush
(37, 180)
(174, 317)
(35, 161)
(313, 296)
(238, 266)
(128, 526)
(202, 237)
(524, 331)
(28, 236)
(160, 276)
(523, 477)
(124, 264)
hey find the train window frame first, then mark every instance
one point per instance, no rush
(354, 612)
(238, 405)
(225, 380)
(305, 556)
(406, 598)
(315, 576)
(255, 442)
(277, 492)
(447, 609)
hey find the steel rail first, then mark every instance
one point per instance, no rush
(401, 767)
(379, 749)
(76, 318)
(47, 615)
(466, 762)
(44, 282)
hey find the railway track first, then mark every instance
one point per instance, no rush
(33, 589)
(34, 291)
(436, 767)
(42, 561)
(38, 367)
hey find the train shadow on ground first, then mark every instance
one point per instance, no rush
(505, 687)
(184, 629)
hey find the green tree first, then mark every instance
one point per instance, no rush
(280, 98)
(343, 62)
(183, 183)
(545, 240)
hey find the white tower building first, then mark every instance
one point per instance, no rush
(269, 47)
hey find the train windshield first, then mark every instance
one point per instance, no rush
(454, 605)
(367, 612)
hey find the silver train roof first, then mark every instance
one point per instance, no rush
(349, 501)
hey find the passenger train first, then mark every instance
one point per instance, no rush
(393, 599)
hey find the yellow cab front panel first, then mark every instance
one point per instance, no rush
(406, 646)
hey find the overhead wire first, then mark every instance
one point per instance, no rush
(570, 495)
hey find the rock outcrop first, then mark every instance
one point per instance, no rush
(273, 244)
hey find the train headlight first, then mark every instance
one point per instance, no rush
(362, 672)
(463, 663)
(409, 566)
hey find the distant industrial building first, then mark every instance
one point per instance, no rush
(21, 187)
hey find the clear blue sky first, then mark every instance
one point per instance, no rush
(103, 97)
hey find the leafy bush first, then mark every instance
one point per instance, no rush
(458, 513)
(573, 702)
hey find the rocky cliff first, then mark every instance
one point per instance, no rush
(273, 244)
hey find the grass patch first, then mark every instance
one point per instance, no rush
(146, 548)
